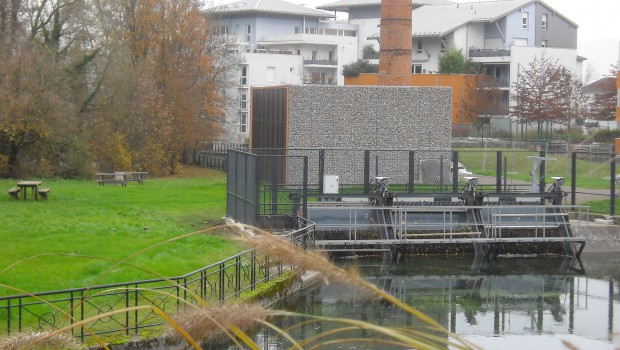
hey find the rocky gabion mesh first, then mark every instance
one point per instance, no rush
(370, 118)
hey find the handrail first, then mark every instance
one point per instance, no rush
(221, 281)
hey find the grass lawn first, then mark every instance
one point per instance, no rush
(590, 175)
(81, 218)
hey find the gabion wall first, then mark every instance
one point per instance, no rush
(369, 118)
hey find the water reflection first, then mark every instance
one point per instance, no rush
(507, 303)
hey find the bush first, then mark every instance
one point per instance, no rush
(354, 69)
(606, 136)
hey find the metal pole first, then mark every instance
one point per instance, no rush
(505, 174)
(573, 178)
(366, 172)
(321, 169)
(411, 170)
(455, 171)
(612, 185)
(543, 171)
(498, 172)
(305, 189)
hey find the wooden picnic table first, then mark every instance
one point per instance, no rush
(122, 177)
(33, 185)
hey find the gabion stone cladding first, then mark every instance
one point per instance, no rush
(370, 118)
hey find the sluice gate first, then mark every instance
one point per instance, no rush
(428, 212)
(465, 223)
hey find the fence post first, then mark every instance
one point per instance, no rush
(455, 171)
(543, 172)
(573, 176)
(411, 170)
(498, 172)
(321, 171)
(612, 163)
(366, 172)
(304, 190)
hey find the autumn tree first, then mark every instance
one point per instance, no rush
(603, 105)
(39, 90)
(483, 98)
(546, 92)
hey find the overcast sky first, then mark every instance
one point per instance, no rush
(598, 34)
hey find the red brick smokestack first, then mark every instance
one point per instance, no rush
(395, 54)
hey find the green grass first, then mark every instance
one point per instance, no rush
(602, 206)
(111, 222)
(590, 175)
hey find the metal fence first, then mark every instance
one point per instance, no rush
(128, 308)
(281, 173)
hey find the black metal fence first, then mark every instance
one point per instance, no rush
(213, 155)
(278, 174)
(128, 308)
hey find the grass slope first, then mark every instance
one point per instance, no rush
(111, 222)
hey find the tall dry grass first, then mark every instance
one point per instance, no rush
(206, 323)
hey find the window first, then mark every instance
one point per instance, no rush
(544, 21)
(417, 69)
(442, 45)
(526, 20)
(420, 47)
(298, 52)
(243, 99)
(271, 74)
(310, 30)
(543, 43)
(223, 29)
(248, 33)
(298, 30)
(243, 122)
(244, 76)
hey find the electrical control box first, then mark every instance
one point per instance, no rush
(330, 184)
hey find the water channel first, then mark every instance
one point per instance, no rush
(509, 303)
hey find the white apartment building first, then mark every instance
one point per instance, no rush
(503, 36)
(284, 43)
(281, 44)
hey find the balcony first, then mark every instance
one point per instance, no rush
(488, 53)
(321, 62)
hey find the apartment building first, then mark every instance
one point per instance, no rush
(281, 44)
(503, 36)
(289, 44)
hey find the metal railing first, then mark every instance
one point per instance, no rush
(448, 224)
(127, 308)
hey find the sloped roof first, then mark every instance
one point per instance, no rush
(599, 86)
(441, 20)
(346, 5)
(269, 6)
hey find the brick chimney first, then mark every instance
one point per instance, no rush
(396, 46)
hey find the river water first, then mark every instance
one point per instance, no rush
(508, 303)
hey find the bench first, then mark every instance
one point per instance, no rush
(112, 178)
(14, 192)
(43, 192)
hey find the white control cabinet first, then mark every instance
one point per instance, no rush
(330, 184)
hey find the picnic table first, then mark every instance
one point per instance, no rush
(32, 185)
(121, 177)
